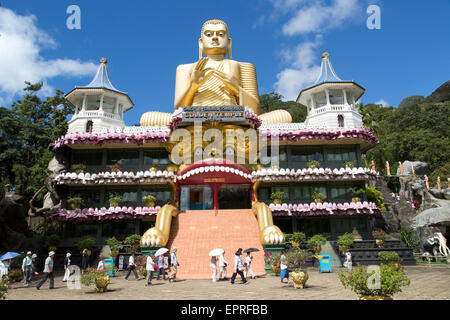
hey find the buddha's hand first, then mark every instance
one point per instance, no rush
(153, 237)
(199, 74)
(272, 234)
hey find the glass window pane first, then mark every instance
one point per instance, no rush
(320, 99)
(336, 96)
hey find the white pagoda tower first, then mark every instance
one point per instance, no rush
(98, 105)
(331, 100)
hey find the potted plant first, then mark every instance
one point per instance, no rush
(3, 288)
(79, 167)
(390, 258)
(140, 262)
(114, 200)
(360, 279)
(153, 169)
(277, 197)
(114, 245)
(99, 278)
(75, 202)
(379, 237)
(117, 166)
(313, 164)
(295, 260)
(288, 237)
(318, 197)
(316, 242)
(350, 164)
(133, 241)
(345, 241)
(149, 200)
(357, 193)
(298, 238)
(85, 243)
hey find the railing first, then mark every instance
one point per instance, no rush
(97, 113)
(332, 107)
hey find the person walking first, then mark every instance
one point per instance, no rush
(223, 267)
(149, 268)
(66, 267)
(348, 260)
(174, 263)
(248, 267)
(161, 269)
(27, 263)
(284, 274)
(131, 267)
(214, 268)
(238, 267)
(33, 267)
(84, 261)
(3, 270)
(101, 264)
(48, 271)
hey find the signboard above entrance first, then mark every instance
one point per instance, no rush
(213, 113)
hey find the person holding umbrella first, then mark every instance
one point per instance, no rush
(248, 262)
(6, 262)
(161, 270)
(27, 263)
(48, 271)
(238, 267)
(213, 263)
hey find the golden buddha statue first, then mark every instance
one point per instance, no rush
(215, 81)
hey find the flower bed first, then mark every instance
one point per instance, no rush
(324, 209)
(314, 174)
(99, 139)
(318, 134)
(115, 177)
(95, 214)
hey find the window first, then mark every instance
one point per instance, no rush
(93, 102)
(302, 193)
(320, 99)
(349, 98)
(341, 194)
(129, 197)
(341, 154)
(163, 196)
(336, 96)
(267, 159)
(130, 159)
(284, 189)
(90, 196)
(89, 158)
(306, 154)
(108, 104)
(340, 121)
(157, 158)
(79, 230)
(89, 126)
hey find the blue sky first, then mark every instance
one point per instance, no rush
(144, 42)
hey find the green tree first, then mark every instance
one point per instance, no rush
(26, 131)
(273, 101)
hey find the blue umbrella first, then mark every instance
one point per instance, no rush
(9, 255)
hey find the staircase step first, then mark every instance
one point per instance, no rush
(196, 232)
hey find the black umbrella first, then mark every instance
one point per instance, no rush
(251, 250)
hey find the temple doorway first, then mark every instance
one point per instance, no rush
(235, 196)
(196, 197)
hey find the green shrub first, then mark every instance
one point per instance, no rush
(391, 281)
(287, 236)
(296, 258)
(379, 235)
(75, 201)
(346, 240)
(149, 198)
(88, 278)
(3, 288)
(409, 237)
(317, 240)
(85, 243)
(299, 237)
(113, 243)
(115, 198)
(277, 195)
(373, 195)
(350, 164)
(313, 164)
(133, 239)
(15, 275)
(317, 195)
(388, 256)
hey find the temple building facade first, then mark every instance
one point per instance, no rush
(315, 186)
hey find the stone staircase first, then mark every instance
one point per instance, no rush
(195, 233)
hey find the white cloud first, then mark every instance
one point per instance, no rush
(20, 60)
(319, 17)
(301, 72)
(309, 18)
(383, 102)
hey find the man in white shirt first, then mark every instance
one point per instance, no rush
(131, 267)
(248, 268)
(149, 268)
(214, 268)
(174, 263)
(48, 271)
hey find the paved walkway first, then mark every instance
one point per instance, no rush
(427, 282)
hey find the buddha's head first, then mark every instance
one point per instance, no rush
(215, 39)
